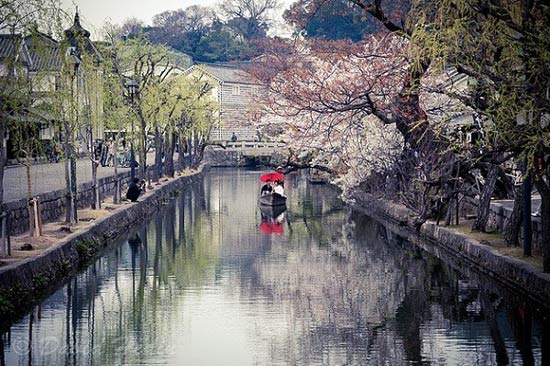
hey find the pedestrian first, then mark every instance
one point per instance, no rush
(112, 152)
(134, 189)
(103, 152)
(57, 151)
(233, 137)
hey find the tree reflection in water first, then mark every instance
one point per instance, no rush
(200, 284)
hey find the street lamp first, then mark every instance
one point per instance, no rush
(133, 89)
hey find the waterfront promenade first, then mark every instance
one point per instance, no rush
(48, 177)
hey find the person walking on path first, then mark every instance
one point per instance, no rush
(112, 152)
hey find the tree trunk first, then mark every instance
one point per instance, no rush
(116, 197)
(484, 207)
(30, 208)
(92, 150)
(96, 205)
(143, 144)
(158, 155)
(67, 184)
(181, 153)
(544, 191)
(512, 229)
(169, 148)
(189, 152)
(425, 209)
(197, 151)
(3, 158)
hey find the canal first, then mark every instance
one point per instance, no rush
(213, 280)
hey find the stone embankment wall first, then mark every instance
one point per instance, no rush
(52, 204)
(516, 274)
(222, 158)
(218, 157)
(23, 282)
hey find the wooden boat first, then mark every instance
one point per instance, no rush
(272, 200)
(271, 212)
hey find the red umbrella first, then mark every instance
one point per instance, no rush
(272, 177)
(271, 228)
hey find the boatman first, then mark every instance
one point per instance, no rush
(281, 176)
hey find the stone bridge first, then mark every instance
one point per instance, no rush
(244, 153)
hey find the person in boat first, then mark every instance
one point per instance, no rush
(266, 188)
(278, 188)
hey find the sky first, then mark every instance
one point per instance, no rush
(94, 13)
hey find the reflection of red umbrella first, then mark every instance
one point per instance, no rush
(272, 177)
(271, 227)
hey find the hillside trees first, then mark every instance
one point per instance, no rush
(335, 20)
(251, 18)
(207, 35)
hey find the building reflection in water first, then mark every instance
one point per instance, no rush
(200, 283)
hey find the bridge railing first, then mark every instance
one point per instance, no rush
(250, 148)
(238, 145)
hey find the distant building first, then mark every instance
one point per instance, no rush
(234, 90)
(46, 66)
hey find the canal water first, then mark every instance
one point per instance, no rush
(213, 280)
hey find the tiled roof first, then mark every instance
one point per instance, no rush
(228, 73)
(11, 47)
(44, 52)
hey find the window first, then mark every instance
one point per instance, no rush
(236, 90)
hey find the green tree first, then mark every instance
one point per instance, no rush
(221, 44)
(332, 20)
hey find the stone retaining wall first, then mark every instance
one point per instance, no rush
(52, 204)
(23, 282)
(516, 274)
(217, 157)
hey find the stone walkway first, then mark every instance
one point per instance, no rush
(47, 177)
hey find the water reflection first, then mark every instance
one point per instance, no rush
(201, 284)
(273, 219)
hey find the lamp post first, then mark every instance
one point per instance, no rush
(133, 89)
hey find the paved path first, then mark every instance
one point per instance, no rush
(47, 177)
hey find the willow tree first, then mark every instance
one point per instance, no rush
(117, 113)
(91, 113)
(149, 65)
(198, 115)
